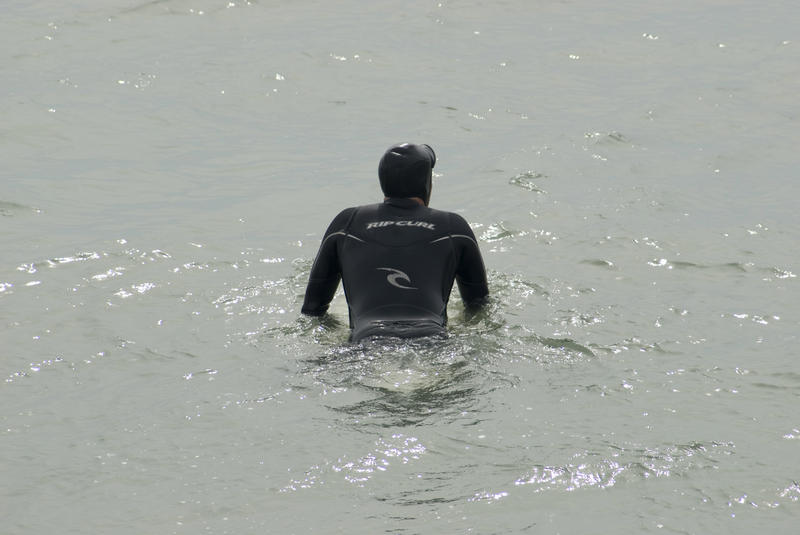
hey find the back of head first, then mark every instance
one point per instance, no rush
(405, 170)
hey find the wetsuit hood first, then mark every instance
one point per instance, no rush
(405, 170)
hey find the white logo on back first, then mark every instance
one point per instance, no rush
(395, 274)
(382, 224)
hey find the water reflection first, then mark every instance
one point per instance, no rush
(396, 449)
(401, 383)
(606, 469)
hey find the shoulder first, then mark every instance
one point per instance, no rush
(343, 216)
(339, 222)
(457, 222)
(359, 213)
(459, 228)
(348, 216)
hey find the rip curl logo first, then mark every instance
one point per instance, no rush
(395, 275)
(382, 224)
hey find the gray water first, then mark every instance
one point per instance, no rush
(629, 168)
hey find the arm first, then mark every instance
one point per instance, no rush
(470, 271)
(326, 272)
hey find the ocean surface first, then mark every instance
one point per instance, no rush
(630, 169)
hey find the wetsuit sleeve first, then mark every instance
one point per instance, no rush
(470, 271)
(326, 271)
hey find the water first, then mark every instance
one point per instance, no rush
(169, 167)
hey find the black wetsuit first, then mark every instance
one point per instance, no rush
(397, 261)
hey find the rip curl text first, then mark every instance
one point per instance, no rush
(381, 224)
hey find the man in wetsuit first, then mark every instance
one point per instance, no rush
(397, 260)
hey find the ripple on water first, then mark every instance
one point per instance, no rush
(528, 181)
(387, 453)
(12, 209)
(767, 273)
(734, 267)
(34, 267)
(488, 332)
(599, 262)
(393, 382)
(499, 231)
(607, 138)
(622, 464)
